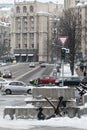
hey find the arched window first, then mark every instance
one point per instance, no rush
(31, 18)
(18, 9)
(31, 8)
(24, 9)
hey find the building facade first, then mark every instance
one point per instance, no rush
(72, 3)
(30, 31)
(83, 17)
(5, 12)
(81, 8)
(4, 40)
(69, 4)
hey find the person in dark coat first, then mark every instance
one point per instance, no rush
(84, 73)
(40, 114)
(81, 67)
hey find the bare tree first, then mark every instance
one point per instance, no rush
(71, 26)
(3, 51)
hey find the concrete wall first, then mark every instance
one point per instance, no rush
(54, 92)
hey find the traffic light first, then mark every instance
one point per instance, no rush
(63, 52)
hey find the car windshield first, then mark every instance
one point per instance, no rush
(2, 80)
(7, 71)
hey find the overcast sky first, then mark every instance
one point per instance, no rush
(12, 1)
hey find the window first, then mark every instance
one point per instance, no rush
(31, 18)
(18, 37)
(25, 23)
(18, 45)
(32, 40)
(32, 45)
(25, 37)
(24, 9)
(31, 9)
(25, 40)
(32, 23)
(18, 19)
(19, 84)
(2, 80)
(25, 19)
(25, 45)
(18, 9)
(13, 83)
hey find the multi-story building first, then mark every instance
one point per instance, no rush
(4, 39)
(83, 19)
(72, 3)
(31, 31)
(5, 12)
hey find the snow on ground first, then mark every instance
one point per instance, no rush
(67, 71)
(76, 122)
(53, 122)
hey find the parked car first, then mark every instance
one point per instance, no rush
(84, 80)
(43, 65)
(68, 81)
(16, 87)
(58, 65)
(3, 64)
(3, 82)
(32, 64)
(6, 74)
(44, 80)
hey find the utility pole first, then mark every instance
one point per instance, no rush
(63, 52)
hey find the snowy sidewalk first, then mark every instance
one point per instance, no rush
(67, 71)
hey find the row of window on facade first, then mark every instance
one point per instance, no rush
(24, 28)
(18, 9)
(18, 38)
(31, 19)
(25, 46)
(25, 24)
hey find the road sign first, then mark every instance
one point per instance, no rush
(67, 51)
(63, 39)
(54, 57)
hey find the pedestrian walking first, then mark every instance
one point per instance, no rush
(35, 82)
(38, 82)
(81, 67)
(84, 73)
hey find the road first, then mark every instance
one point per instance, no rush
(23, 72)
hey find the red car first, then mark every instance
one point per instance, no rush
(44, 80)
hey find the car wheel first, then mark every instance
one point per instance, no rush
(29, 91)
(60, 84)
(8, 91)
(50, 84)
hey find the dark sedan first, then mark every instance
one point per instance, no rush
(84, 80)
(6, 74)
(68, 81)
